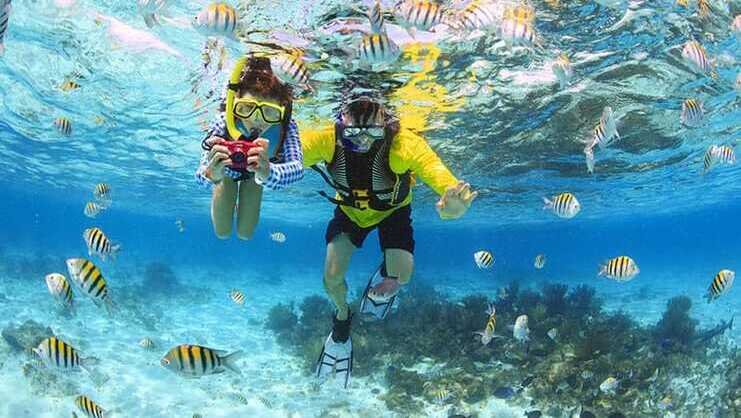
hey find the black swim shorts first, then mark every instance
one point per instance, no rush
(393, 232)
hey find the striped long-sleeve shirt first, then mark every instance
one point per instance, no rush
(286, 169)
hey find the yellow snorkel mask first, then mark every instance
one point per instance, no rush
(245, 108)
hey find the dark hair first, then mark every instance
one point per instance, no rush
(365, 109)
(258, 79)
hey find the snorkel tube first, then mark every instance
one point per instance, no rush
(234, 79)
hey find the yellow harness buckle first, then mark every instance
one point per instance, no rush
(362, 200)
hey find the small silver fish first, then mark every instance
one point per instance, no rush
(278, 237)
(692, 113)
(539, 262)
(609, 385)
(521, 332)
(563, 70)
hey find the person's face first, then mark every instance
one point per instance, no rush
(252, 112)
(363, 130)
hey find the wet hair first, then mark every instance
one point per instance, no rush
(364, 110)
(258, 79)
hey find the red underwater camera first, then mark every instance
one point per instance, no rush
(238, 153)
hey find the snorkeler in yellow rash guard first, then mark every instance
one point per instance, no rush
(370, 160)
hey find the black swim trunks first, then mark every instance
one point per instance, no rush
(393, 232)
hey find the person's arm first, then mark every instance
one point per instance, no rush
(317, 144)
(455, 196)
(423, 161)
(292, 168)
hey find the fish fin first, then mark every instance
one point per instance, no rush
(602, 269)
(115, 248)
(547, 203)
(229, 360)
(150, 20)
(412, 31)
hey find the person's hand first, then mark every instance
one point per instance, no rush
(456, 201)
(385, 290)
(218, 158)
(257, 158)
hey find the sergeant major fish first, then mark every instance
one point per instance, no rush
(695, 56)
(488, 333)
(99, 244)
(375, 17)
(291, 69)
(57, 354)
(483, 259)
(563, 70)
(60, 289)
(377, 51)
(90, 408)
(718, 154)
(609, 385)
(692, 113)
(196, 361)
(4, 17)
(237, 296)
(63, 125)
(88, 278)
(102, 192)
(278, 237)
(92, 209)
(564, 205)
(720, 285)
(216, 19)
(418, 15)
(539, 262)
(621, 269)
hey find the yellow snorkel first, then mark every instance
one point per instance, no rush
(231, 125)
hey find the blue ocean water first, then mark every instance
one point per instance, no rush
(498, 119)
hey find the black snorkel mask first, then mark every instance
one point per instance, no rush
(365, 131)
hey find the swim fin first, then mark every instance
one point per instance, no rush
(337, 356)
(374, 310)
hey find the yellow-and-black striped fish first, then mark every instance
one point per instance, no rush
(694, 54)
(237, 296)
(563, 205)
(4, 16)
(478, 15)
(146, 343)
(718, 154)
(375, 17)
(377, 49)
(88, 278)
(441, 396)
(539, 261)
(720, 285)
(195, 360)
(69, 85)
(418, 14)
(89, 408)
(60, 289)
(92, 209)
(102, 191)
(563, 70)
(491, 324)
(518, 26)
(621, 269)
(703, 8)
(58, 354)
(290, 69)
(99, 244)
(216, 19)
(692, 113)
(483, 259)
(63, 125)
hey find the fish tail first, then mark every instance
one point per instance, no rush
(602, 269)
(547, 203)
(115, 248)
(230, 359)
(87, 363)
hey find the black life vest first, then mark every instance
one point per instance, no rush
(365, 180)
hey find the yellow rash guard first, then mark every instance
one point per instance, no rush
(409, 152)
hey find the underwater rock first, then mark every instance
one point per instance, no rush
(554, 298)
(504, 392)
(533, 414)
(26, 336)
(160, 279)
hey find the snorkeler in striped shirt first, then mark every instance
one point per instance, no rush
(255, 102)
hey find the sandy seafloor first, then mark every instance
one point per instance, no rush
(139, 387)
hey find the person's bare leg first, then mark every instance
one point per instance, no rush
(399, 267)
(339, 252)
(248, 210)
(223, 199)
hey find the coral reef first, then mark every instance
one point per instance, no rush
(676, 330)
(25, 336)
(427, 353)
